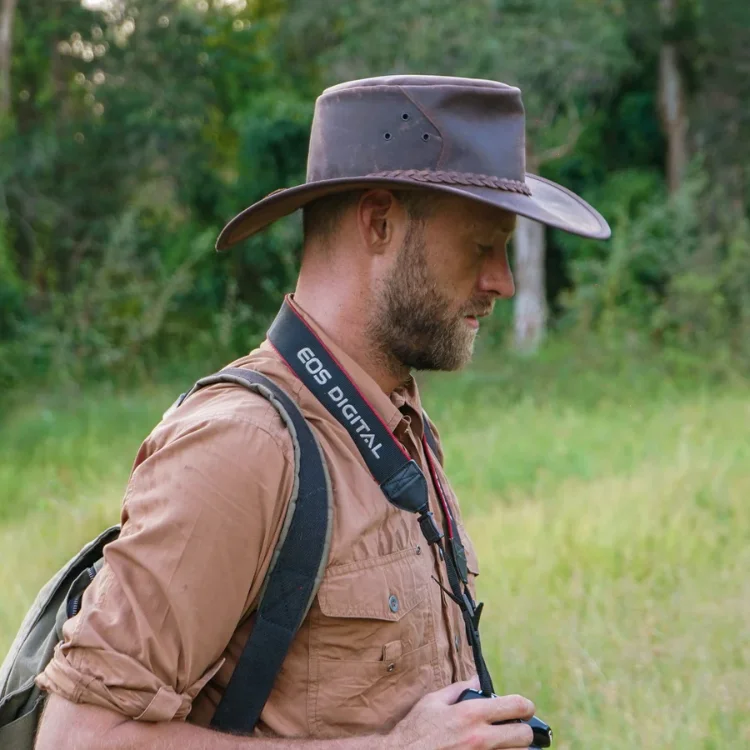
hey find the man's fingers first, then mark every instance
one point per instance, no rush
(449, 694)
(504, 708)
(511, 736)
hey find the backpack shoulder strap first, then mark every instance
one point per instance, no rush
(296, 568)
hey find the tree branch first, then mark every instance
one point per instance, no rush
(6, 44)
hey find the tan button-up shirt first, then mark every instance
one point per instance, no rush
(164, 622)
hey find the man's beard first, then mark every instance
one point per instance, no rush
(415, 324)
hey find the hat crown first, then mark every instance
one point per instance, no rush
(431, 123)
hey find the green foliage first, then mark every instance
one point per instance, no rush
(135, 139)
(137, 131)
(677, 269)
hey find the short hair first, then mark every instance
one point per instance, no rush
(321, 217)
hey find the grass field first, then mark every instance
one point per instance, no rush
(608, 503)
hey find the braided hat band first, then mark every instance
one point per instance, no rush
(457, 178)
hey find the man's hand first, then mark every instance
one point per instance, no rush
(437, 722)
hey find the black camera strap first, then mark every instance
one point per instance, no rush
(397, 474)
(457, 569)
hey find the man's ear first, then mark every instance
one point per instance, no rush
(381, 220)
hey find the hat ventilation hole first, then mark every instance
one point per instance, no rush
(405, 116)
(387, 136)
(425, 136)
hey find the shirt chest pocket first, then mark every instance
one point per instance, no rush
(372, 644)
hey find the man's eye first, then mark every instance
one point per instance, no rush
(485, 249)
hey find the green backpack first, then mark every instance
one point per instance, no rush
(289, 589)
(21, 701)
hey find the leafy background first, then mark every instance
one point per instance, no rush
(135, 130)
(604, 478)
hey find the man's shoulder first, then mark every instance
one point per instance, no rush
(230, 404)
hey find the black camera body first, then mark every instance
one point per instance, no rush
(542, 731)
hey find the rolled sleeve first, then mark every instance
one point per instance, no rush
(201, 517)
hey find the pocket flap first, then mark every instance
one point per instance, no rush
(380, 588)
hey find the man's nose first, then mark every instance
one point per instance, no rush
(496, 276)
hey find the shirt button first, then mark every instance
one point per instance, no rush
(419, 550)
(457, 641)
(391, 667)
(393, 603)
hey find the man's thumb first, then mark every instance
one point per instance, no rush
(449, 694)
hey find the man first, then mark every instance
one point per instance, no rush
(413, 186)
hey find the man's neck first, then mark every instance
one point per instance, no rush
(344, 320)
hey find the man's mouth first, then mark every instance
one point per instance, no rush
(473, 318)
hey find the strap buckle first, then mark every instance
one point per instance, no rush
(429, 528)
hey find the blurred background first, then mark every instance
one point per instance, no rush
(599, 442)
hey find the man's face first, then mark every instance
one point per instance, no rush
(448, 272)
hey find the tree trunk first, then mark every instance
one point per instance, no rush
(530, 308)
(672, 99)
(6, 45)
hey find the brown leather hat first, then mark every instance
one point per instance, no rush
(458, 135)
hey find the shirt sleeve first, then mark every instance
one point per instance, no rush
(201, 517)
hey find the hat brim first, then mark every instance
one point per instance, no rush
(549, 203)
